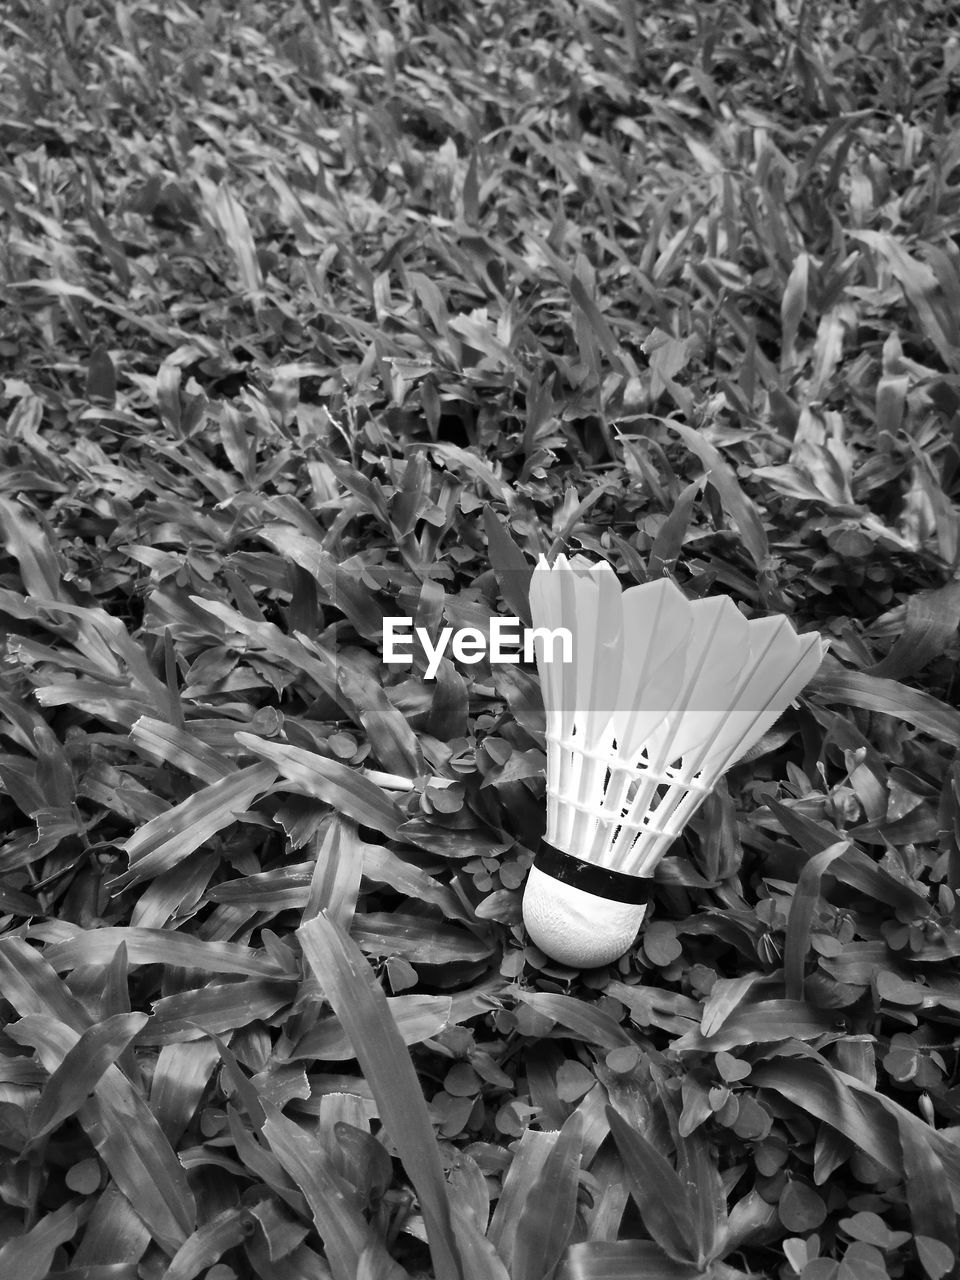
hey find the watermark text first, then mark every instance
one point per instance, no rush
(507, 641)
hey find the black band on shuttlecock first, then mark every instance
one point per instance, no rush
(601, 881)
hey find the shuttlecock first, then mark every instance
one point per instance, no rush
(660, 696)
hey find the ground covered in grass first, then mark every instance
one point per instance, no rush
(316, 314)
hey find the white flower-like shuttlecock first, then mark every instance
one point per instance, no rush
(660, 697)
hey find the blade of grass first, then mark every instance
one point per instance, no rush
(158, 946)
(805, 899)
(528, 1162)
(124, 1131)
(362, 1008)
(165, 841)
(890, 698)
(549, 1212)
(741, 509)
(656, 1187)
(29, 1256)
(343, 788)
(345, 1232)
(82, 1066)
(932, 1213)
(335, 882)
(510, 566)
(625, 1260)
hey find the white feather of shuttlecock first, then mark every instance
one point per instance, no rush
(662, 696)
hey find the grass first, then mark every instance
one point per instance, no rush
(316, 314)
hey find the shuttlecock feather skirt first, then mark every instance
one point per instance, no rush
(660, 696)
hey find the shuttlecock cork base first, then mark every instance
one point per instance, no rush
(581, 914)
(657, 698)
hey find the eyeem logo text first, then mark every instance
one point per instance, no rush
(471, 645)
